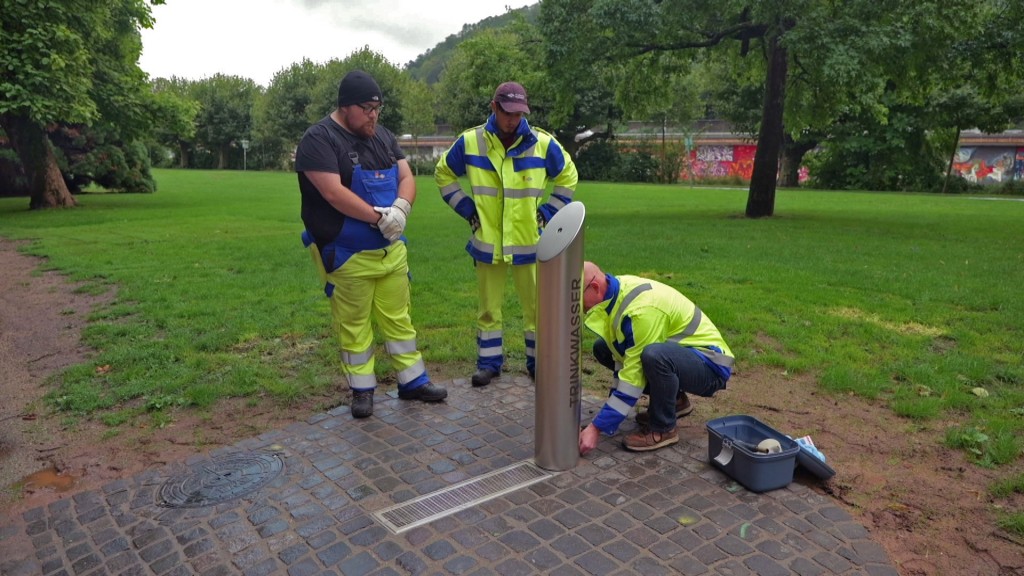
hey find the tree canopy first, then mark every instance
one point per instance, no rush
(72, 62)
(869, 95)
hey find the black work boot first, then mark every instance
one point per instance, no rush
(483, 377)
(429, 392)
(362, 403)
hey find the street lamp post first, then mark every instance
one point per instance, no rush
(245, 153)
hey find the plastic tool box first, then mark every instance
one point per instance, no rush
(733, 447)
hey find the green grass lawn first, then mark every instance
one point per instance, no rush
(913, 299)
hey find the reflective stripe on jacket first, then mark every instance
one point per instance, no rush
(638, 312)
(507, 188)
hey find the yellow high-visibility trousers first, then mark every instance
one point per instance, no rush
(491, 290)
(373, 286)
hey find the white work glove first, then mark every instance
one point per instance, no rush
(393, 218)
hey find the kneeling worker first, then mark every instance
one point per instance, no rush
(657, 342)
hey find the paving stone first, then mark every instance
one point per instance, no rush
(122, 562)
(314, 526)
(77, 551)
(166, 564)
(733, 546)
(765, 566)
(616, 513)
(570, 518)
(358, 565)
(293, 553)
(306, 567)
(411, 563)
(519, 540)
(50, 566)
(321, 539)
(801, 566)
(371, 535)
(666, 549)
(460, 565)
(199, 547)
(355, 525)
(439, 550)
(832, 562)
(492, 551)
(224, 519)
(709, 554)
(334, 553)
(594, 562)
(388, 550)
(512, 567)
(156, 550)
(86, 563)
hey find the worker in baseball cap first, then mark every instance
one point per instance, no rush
(509, 166)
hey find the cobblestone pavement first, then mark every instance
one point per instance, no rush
(663, 512)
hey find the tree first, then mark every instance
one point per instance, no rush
(930, 70)
(225, 113)
(477, 67)
(68, 62)
(419, 112)
(390, 79)
(174, 105)
(635, 28)
(822, 64)
(286, 109)
(583, 78)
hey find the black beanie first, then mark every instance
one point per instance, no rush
(358, 87)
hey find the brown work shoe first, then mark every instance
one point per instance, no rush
(644, 439)
(683, 408)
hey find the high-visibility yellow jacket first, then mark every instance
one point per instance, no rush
(637, 312)
(507, 188)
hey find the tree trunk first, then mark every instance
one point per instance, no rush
(46, 185)
(761, 199)
(952, 157)
(793, 152)
(222, 157)
(183, 159)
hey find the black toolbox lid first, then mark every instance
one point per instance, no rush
(813, 464)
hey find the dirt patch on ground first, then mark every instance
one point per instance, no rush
(926, 505)
(46, 456)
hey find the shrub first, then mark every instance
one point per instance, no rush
(597, 160)
(86, 155)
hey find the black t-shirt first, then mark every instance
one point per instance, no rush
(325, 147)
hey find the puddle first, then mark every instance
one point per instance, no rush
(48, 478)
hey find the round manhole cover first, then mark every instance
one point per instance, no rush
(221, 479)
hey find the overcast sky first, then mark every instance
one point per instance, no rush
(256, 38)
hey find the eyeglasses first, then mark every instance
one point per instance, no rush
(370, 109)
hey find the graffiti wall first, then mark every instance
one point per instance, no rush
(989, 164)
(712, 162)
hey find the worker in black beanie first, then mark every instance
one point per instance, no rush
(358, 87)
(357, 191)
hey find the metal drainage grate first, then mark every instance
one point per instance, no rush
(219, 480)
(430, 507)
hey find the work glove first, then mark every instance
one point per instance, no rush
(474, 221)
(393, 219)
